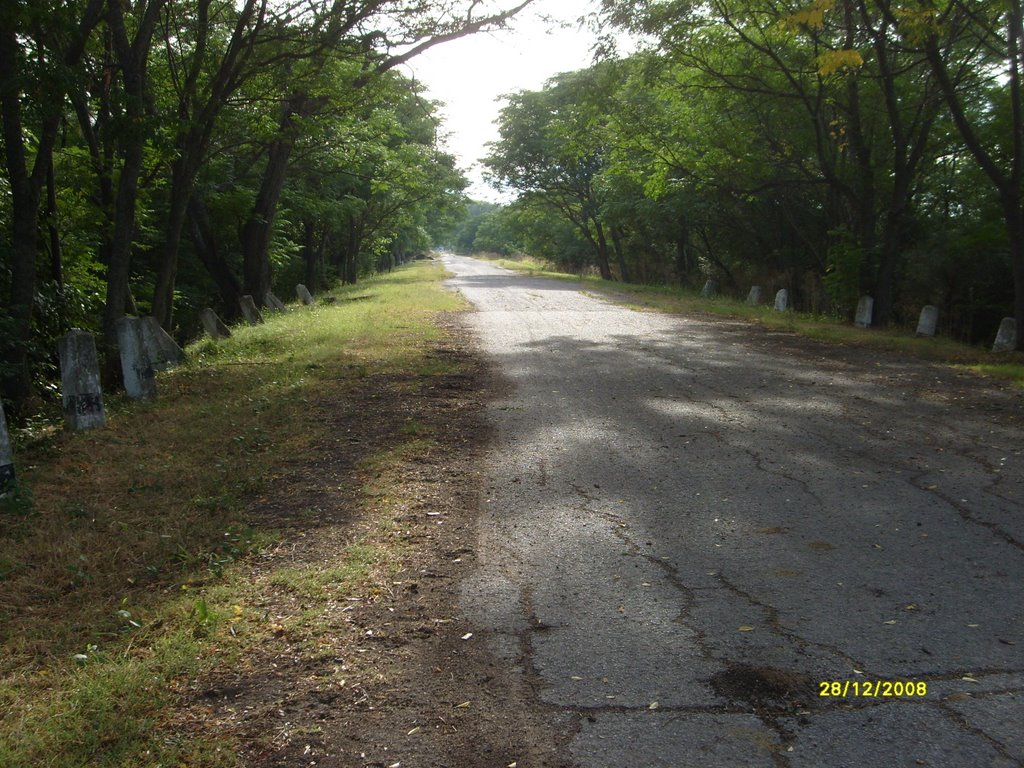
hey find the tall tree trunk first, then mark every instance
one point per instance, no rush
(25, 217)
(52, 226)
(601, 251)
(183, 175)
(355, 242)
(684, 252)
(119, 267)
(620, 255)
(205, 243)
(890, 253)
(132, 56)
(258, 227)
(196, 125)
(25, 186)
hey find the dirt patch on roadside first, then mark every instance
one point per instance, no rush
(387, 676)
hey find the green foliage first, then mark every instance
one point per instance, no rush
(842, 275)
(168, 106)
(798, 145)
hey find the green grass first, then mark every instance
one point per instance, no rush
(123, 556)
(357, 569)
(1007, 366)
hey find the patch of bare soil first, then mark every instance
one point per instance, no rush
(386, 677)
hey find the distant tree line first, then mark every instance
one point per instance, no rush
(831, 147)
(160, 156)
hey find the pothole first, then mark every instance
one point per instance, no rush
(765, 687)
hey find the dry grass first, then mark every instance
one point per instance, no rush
(119, 555)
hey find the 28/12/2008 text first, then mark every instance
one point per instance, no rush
(872, 688)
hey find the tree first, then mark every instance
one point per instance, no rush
(978, 38)
(841, 63)
(37, 45)
(189, 115)
(552, 149)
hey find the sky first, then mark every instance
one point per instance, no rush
(471, 74)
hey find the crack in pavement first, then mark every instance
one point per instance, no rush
(717, 518)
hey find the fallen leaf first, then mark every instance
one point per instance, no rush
(654, 705)
(969, 679)
(467, 636)
(463, 705)
(891, 621)
(417, 729)
(746, 628)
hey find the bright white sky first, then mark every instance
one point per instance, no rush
(471, 74)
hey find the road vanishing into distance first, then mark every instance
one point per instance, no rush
(695, 527)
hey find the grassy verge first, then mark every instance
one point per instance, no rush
(823, 328)
(125, 558)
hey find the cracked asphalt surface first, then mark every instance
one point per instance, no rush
(691, 524)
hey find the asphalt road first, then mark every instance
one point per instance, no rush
(693, 524)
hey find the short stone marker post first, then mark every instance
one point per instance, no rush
(1006, 339)
(249, 311)
(710, 288)
(273, 303)
(756, 295)
(782, 300)
(929, 321)
(304, 295)
(865, 308)
(80, 381)
(213, 325)
(162, 350)
(6, 456)
(139, 377)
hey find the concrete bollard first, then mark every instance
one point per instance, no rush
(304, 295)
(865, 308)
(162, 350)
(928, 322)
(1006, 339)
(756, 295)
(80, 381)
(213, 325)
(6, 456)
(249, 311)
(782, 300)
(139, 377)
(273, 303)
(710, 289)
